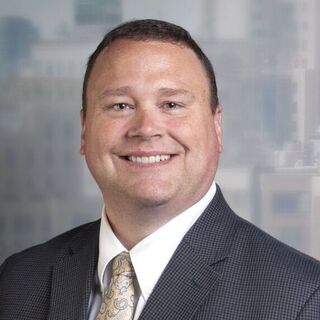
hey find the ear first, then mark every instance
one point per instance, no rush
(83, 130)
(218, 126)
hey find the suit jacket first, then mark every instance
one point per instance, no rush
(224, 268)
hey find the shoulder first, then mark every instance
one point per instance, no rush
(45, 254)
(277, 270)
(258, 271)
(251, 246)
(26, 278)
(271, 252)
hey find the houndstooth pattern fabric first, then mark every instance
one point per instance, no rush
(224, 269)
(118, 302)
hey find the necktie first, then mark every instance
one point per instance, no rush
(118, 300)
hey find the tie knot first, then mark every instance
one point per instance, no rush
(122, 265)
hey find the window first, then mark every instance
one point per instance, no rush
(294, 202)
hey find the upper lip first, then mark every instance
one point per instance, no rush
(145, 153)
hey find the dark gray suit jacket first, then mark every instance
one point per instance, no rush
(224, 268)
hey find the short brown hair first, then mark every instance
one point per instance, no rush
(149, 29)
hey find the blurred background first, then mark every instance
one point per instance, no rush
(266, 55)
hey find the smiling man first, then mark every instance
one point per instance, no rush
(149, 134)
(167, 245)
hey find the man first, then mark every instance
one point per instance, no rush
(168, 246)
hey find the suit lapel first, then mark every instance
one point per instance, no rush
(73, 277)
(182, 288)
(194, 270)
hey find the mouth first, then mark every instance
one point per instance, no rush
(148, 159)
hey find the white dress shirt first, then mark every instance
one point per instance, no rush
(149, 257)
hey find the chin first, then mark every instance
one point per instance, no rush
(153, 199)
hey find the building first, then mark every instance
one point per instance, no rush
(290, 206)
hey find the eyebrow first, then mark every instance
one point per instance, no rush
(169, 92)
(166, 91)
(122, 91)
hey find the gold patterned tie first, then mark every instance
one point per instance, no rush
(118, 301)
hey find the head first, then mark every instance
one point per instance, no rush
(152, 30)
(151, 123)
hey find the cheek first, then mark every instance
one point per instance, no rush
(197, 133)
(102, 133)
(181, 128)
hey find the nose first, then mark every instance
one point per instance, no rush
(145, 124)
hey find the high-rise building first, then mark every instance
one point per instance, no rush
(89, 12)
(290, 206)
(287, 56)
(43, 189)
(266, 57)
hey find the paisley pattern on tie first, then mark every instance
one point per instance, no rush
(118, 302)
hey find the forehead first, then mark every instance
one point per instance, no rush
(128, 46)
(126, 60)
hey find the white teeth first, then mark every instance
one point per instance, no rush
(151, 159)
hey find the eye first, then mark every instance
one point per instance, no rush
(171, 105)
(120, 106)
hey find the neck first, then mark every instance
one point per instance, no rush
(132, 221)
(131, 224)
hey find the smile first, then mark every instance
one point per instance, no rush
(151, 159)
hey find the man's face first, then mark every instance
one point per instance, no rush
(149, 135)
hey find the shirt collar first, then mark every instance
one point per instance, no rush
(151, 255)
(109, 247)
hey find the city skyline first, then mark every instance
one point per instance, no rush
(266, 58)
